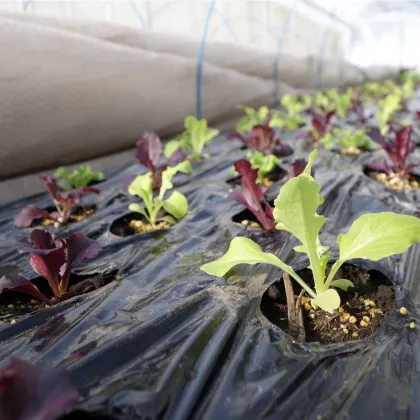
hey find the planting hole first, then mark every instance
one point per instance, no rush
(247, 218)
(16, 303)
(134, 223)
(395, 183)
(363, 309)
(78, 214)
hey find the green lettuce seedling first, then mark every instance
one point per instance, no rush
(264, 163)
(349, 140)
(371, 236)
(193, 139)
(259, 116)
(176, 205)
(340, 102)
(294, 107)
(79, 178)
(388, 106)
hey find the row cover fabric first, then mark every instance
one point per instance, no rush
(75, 90)
(171, 342)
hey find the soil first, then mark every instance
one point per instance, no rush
(79, 214)
(363, 309)
(275, 175)
(134, 223)
(394, 182)
(15, 304)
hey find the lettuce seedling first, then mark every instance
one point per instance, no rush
(79, 178)
(397, 149)
(260, 116)
(348, 141)
(265, 164)
(64, 202)
(371, 236)
(193, 139)
(176, 205)
(30, 393)
(321, 125)
(388, 106)
(292, 118)
(251, 195)
(340, 102)
(263, 138)
(52, 260)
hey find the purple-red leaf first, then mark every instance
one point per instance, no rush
(397, 150)
(379, 165)
(322, 124)
(251, 194)
(149, 150)
(16, 283)
(296, 168)
(263, 138)
(30, 393)
(77, 248)
(30, 213)
(54, 261)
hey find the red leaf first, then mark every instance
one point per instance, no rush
(18, 283)
(251, 194)
(29, 214)
(403, 139)
(296, 168)
(149, 150)
(30, 393)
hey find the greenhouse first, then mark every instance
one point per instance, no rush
(209, 209)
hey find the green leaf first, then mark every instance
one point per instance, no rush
(295, 212)
(168, 219)
(342, 284)
(176, 205)
(61, 172)
(184, 167)
(245, 251)
(171, 147)
(379, 235)
(328, 300)
(142, 186)
(200, 134)
(65, 185)
(328, 140)
(137, 208)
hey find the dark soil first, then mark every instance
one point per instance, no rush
(134, 223)
(78, 214)
(363, 309)
(275, 175)
(395, 183)
(14, 304)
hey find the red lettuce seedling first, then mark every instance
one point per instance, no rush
(52, 260)
(30, 393)
(251, 194)
(263, 138)
(418, 116)
(397, 150)
(64, 201)
(149, 151)
(322, 125)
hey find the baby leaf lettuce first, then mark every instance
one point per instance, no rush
(176, 204)
(64, 201)
(52, 260)
(265, 164)
(79, 178)
(372, 236)
(346, 139)
(262, 138)
(260, 116)
(398, 149)
(193, 139)
(251, 195)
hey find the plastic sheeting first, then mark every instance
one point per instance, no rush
(170, 342)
